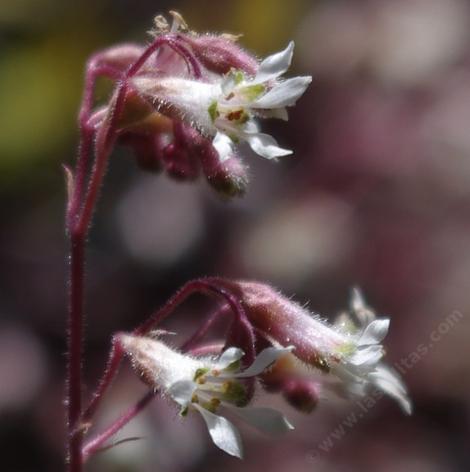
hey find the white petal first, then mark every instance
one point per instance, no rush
(278, 113)
(223, 145)
(266, 420)
(375, 332)
(357, 300)
(231, 355)
(263, 360)
(284, 94)
(366, 357)
(359, 307)
(251, 127)
(182, 391)
(275, 65)
(266, 146)
(223, 432)
(390, 382)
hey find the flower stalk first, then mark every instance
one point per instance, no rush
(80, 210)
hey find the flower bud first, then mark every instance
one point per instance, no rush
(285, 368)
(302, 394)
(228, 178)
(179, 162)
(288, 377)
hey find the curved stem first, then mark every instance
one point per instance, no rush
(203, 329)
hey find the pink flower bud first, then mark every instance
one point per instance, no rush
(302, 394)
(229, 178)
(286, 377)
(179, 162)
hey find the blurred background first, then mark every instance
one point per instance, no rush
(377, 195)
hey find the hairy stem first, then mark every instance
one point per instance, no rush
(79, 215)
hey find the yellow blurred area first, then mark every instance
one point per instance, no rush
(265, 24)
(39, 89)
(41, 77)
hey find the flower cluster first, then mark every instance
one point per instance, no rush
(190, 102)
(299, 355)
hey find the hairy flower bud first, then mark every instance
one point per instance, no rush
(229, 178)
(302, 394)
(179, 162)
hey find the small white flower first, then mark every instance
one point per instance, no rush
(209, 386)
(225, 109)
(360, 363)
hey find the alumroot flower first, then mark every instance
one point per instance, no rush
(350, 351)
(212, 386)
(183, 102)
(224, 108)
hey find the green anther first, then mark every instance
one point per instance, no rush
(238, 77)
(211, 405)
(235, 392)
(200, 372)
(252, 92)
(234, 366)
(212, 110)
(184, 411)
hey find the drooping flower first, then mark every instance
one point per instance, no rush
(364, 366)
(212, 386)
(226, 108)
(349, 352)
(189, 99)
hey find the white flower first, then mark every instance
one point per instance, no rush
(208, 385)
(360, 363)
(225, 109)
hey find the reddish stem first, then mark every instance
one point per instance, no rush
(79, 217)
(203, 329)
(86, 133)
(95, 444)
